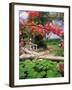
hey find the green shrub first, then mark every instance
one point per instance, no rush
(38, 69)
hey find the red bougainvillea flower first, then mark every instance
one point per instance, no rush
(61, 33)
(57, 31)
(38, 29)
(61, 67)
(34, 29)
(41, 30)
(40, 26)
(52, 28)
(33, 14)
(47, 27)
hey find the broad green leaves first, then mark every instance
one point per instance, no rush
(40, 68)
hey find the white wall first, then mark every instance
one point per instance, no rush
(4, 43)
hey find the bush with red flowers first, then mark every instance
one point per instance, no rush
(34, 26)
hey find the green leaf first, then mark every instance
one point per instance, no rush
(50, 73)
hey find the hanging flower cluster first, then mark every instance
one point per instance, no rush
(38, 29)
(52, 28)
(48, 27)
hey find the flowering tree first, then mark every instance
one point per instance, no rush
(37, 25)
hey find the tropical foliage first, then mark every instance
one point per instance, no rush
(40, 68)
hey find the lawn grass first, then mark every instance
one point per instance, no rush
(54, 43)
